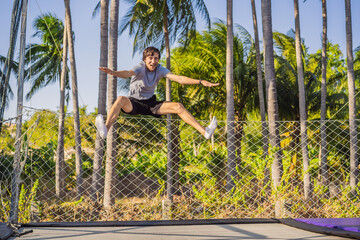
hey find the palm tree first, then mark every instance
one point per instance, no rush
(44, 60)
(302, 102)
(274, 137)
(264, 130)
(8, 61)
(59, 167)
(45, 66)
(323, 169)
(74, 86)
(160, 23)
(112, 87)
(244, 74)
(230, 114)
(99, 143)
(354, 172)
(17, 169)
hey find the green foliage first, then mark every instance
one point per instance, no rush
(87, 165)
(202, 166)
(7, 138)
(202, 173)
(27, 202)
(152, 164)
(6, 167)
(205, 58)
(40, 162)
(5, 208)
(72, 204)
(145, 20)
(41, 128)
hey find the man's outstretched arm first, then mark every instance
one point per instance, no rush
(120, 74)
(187, 80)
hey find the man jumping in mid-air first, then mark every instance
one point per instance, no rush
(144, 79)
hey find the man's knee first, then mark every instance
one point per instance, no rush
(121, 100)
(124, 103)
(179, 108)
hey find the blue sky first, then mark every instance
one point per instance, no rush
(87, 37)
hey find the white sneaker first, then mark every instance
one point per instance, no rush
(209, 131)
(100, 125)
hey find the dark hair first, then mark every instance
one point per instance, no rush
(150, 51)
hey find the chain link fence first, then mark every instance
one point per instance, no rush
(138, 183)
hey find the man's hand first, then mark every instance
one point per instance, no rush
(187, 80)
(209, 84)
(106, 70)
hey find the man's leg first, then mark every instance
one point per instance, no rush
(120, 103)
(178, 108)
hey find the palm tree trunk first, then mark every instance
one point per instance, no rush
(239, 133)
(170, 154)
(59, 174)
(230, 112)
(14, 204)
(112, 86)
(323, 168)
(176, 158)
(354, 172)
(99, 143)
(264, 130)
(274, 138)
(78, 151)
(15, 22)
(302, 103)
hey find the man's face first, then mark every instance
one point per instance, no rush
(151, 62)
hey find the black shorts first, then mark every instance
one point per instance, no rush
(145, 107)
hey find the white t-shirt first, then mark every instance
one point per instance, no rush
(144, 82)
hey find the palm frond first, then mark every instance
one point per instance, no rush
(96, 10)
(44, 60)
